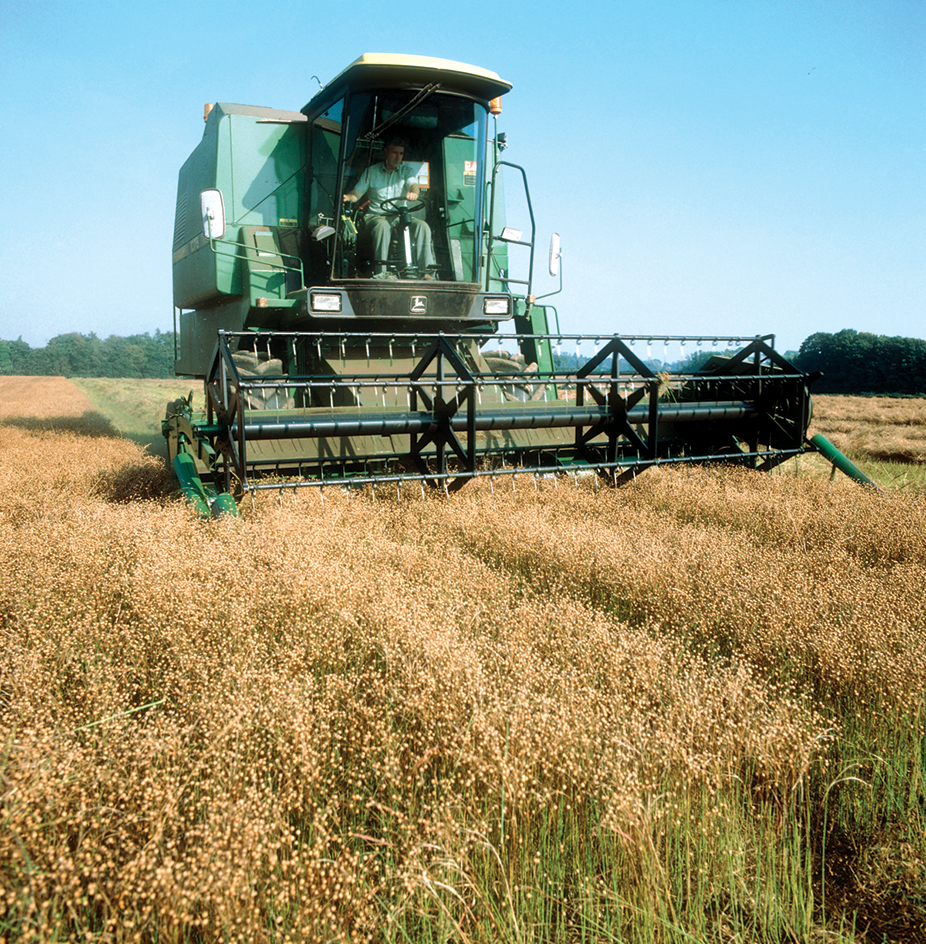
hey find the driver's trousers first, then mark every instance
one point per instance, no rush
(381, 228)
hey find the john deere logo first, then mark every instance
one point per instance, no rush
(418, 304)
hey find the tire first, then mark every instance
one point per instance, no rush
(256, 365)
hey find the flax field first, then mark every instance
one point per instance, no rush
(688, 710)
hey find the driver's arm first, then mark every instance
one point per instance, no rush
(359, 188)
(412, 190)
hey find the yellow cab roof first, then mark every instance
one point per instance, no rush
(381, 68)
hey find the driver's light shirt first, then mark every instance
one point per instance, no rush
(380, 184)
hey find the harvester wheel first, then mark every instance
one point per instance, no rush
(252, 364)
(521, 388)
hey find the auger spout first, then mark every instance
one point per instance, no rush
(839, 460)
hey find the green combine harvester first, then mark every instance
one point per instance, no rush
(391, 335)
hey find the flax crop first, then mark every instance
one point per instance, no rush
(691, 708)
(887, 428)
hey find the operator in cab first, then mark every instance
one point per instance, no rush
(392, 180)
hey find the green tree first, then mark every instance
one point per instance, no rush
(79, 355)
(861, 362)
(26, 362)
(74, 355)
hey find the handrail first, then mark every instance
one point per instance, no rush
(517, 242)
(282, 266)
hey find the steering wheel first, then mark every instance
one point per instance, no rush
(414, 205)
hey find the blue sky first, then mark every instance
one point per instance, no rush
(729, 167)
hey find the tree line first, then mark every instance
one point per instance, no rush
(852, 362)
(860, 362)
(86, 355)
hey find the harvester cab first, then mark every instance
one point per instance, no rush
(347, 286)
(337, 214)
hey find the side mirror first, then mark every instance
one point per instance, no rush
(556, 254)
(213, 207)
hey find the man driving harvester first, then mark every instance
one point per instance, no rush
(385, 184)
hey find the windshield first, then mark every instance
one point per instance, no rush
(413, 172)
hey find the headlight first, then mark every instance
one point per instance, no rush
(496, 305)
(325, 302)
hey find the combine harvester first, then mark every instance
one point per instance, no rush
(347, 342)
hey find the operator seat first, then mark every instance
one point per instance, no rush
(395, 261)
